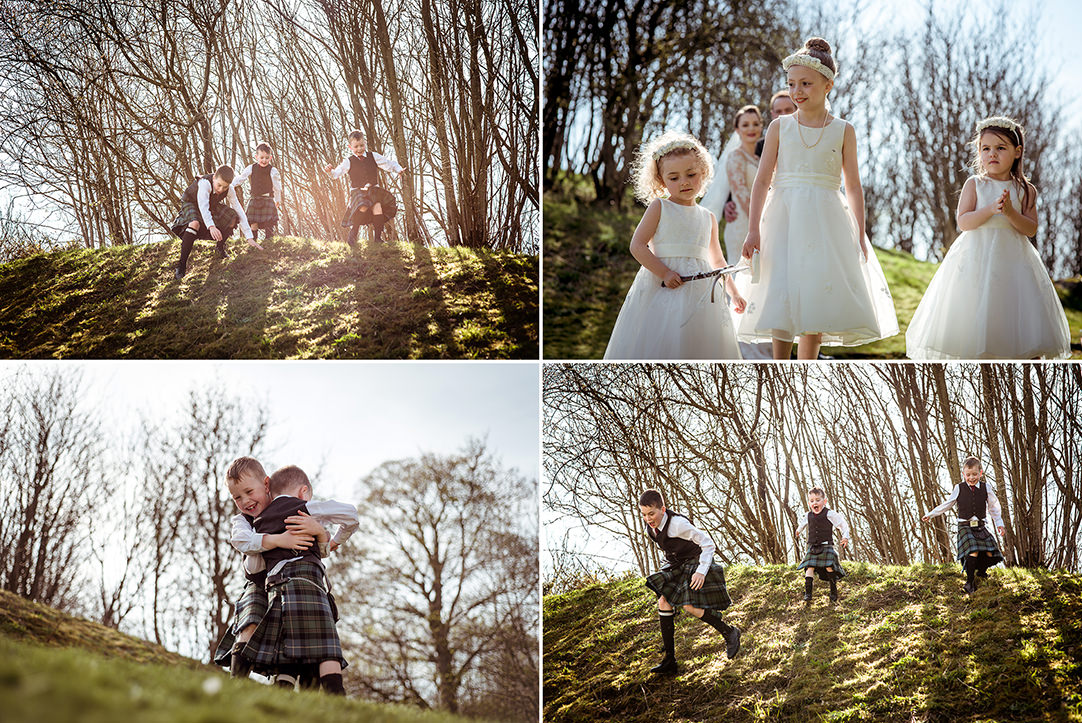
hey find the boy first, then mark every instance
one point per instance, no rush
(298, 629)
(689, 578)
(977, 550)
(368, 203)
(262, 210)
(202, 212)
(821, 556)
(249, 487)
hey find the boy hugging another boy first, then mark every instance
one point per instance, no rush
(977, 549)
(689, 579)
(821, 556)
(290, 632)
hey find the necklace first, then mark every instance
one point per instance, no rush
(822, 131)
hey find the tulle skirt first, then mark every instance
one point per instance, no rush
(660, 323)
(813, 278)
(991, 298)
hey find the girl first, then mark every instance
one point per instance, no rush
(818, 279)
(266, 191)
(740, 167)
(663, 317)
(991, 298)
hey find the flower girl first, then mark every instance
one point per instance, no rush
(670, 311)
(991, 298)
(818, 279)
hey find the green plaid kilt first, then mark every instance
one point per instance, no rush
(225, 219)
(299, 625)
(361, 201)
(249, 610)
(674, 584)
(261, 210)
(821, 557)
(977, 539)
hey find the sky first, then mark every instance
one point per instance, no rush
(344, 417)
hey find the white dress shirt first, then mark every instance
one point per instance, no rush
(681, 527)
(994, 508)
(203, 199)
(276, 180)
(245, 539)
(388, 164)
(835, 519)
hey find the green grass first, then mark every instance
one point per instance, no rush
(57, 668)
(903, 644)
(300, 298)
(588, 270)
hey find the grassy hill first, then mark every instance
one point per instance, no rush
(588, 270)
(300, 298)
(57, 668)
(902, 644)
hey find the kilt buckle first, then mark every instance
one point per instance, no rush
(974, 522)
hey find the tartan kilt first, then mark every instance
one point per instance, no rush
(977, 539)
(674, 583)
(361, 201)
(821, 557)
(225, 219)
(248, 610)
(299, 624)
(262, 210)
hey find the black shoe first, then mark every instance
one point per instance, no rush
(833, 596)
(239, 666)
(970, 587)
(221, 250)
(667, 667)
(178, 274)
(982, 573)
(732, 642)
(807, 597)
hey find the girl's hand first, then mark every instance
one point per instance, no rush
(697, 581)
(739, 302)
(1003, 205)
(672, 280)
(864, 248)
(751, 244)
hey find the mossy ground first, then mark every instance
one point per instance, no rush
(299, 298)
(56, 668)
(588, 270)
(902, 644)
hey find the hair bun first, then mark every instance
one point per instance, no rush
(817, 44)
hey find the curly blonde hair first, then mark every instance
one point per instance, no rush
(646, 168)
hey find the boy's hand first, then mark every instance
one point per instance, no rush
(925, 518)
(215, 233)
(332, 546)
(1002, 531)
(328, 168)
(253, 242)
(845, 542)
(290, 540)
(697, 581)
(303, 523)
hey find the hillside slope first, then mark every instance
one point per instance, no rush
(54, 667)
(300, 298)
(588, 271)
(902, 644)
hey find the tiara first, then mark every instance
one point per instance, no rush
(808, 62)
(999, 122)
(680, 143)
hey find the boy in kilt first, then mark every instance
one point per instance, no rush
(262, 209)
(203, 216)
(689, 579)
(821, 556)
(977, 549)
(249, 487)
(369, 204)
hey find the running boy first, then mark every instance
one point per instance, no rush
(203, 216)
(689, 578)
(821, 556)
(266, 191)
(368, 203)
(977, 550)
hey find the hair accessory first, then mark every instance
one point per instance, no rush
(1000, 121)
(680, 143)
(808, 62)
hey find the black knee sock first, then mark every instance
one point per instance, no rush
(808, 585)
(833, 586)
(378, 231)
(332, 683)
(668, 629)
(352, 238)
(971, 567)
(187, 240)
(269, 231)
(712, 619)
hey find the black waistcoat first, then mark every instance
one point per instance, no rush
(677, 550)
(261, 180)
(972, 503)
(820, 528)
(363, 171)
(191, 193)
(273, 522)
